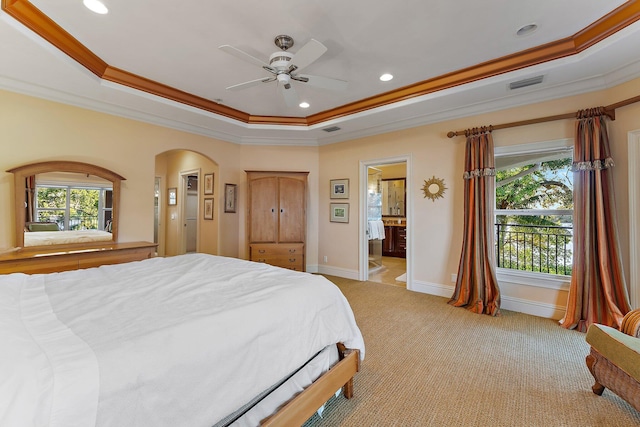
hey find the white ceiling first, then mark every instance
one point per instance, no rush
(176, 44)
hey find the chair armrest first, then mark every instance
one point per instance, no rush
(631, 323)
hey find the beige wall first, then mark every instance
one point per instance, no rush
(436, 226)
(38, 130)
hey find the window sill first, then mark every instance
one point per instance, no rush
(528, 278)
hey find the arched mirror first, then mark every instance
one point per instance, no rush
(65, 203)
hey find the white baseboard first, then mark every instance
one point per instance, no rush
(312, 268)
(338, 272)
(540, 309)
(534, 308)
(432, 288)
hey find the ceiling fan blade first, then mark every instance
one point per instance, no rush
(308, 53)
(242, 55)
(251, 83)
(290, 96)
(325, 82)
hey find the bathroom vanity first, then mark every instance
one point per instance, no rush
(395, 237)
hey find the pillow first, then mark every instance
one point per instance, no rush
(44, 226)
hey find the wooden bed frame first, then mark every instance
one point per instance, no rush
(301, 407)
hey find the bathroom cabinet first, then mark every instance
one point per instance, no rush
(395, 241)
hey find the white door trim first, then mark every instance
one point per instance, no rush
(362, 199)
(182, 236)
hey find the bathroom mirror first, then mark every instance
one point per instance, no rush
(394, 197)
(57, 232)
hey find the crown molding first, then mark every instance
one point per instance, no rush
(31, 17)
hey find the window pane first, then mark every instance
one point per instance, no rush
(544, 185)
(83, 209)
(534, 222)
(52, 197)
(535, 243)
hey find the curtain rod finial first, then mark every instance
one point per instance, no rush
(451, 134)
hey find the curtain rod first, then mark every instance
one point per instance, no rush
(610, 111)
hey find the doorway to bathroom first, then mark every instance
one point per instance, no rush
(385, 234)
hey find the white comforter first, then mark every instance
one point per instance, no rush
(46, 238)
(179, 341)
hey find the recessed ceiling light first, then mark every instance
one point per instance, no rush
(304, 105)
(386, 77)
(96, 6)
(527, 29)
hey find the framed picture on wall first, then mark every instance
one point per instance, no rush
(208, 208)
(339, 188)
(208, 183)
(339, 212)
(172, 196)
(230, 198)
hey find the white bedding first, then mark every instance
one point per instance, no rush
(179, 341)
(45, 238)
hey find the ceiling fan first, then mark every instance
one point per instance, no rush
(285, 66)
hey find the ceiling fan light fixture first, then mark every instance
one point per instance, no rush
(386, 77)
(96, 6)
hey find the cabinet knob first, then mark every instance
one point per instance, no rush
(292, 251)
(292, 260)
(261, 251)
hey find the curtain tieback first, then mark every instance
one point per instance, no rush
(593, 165)
(476, 173)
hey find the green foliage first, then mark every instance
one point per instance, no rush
(548, 187)
(83, 206)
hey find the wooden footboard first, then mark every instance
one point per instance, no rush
(301, 408)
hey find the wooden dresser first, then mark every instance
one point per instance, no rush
(276, 218)
(50, 260)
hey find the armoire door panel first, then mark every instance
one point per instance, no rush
(292, 212)
(264, 210)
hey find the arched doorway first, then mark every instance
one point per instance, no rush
(188, 221)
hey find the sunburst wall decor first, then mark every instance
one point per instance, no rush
(434, 188)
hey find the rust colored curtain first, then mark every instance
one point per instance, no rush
(598, 292)
(476, 285)
(30, 188)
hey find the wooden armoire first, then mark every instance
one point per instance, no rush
(276, 218)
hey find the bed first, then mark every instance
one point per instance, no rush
(193, 340)
(47, 238)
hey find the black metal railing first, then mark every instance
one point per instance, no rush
(539, 248)
(76, 222)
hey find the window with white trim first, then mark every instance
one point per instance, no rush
(534, 208)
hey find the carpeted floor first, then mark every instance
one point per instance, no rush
(430, 364)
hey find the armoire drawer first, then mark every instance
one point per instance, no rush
(282, 255)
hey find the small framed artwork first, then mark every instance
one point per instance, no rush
(208, 184)
(339, 188)
(172, 196)
(339, 212)
(208, 208)
(230, 198)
